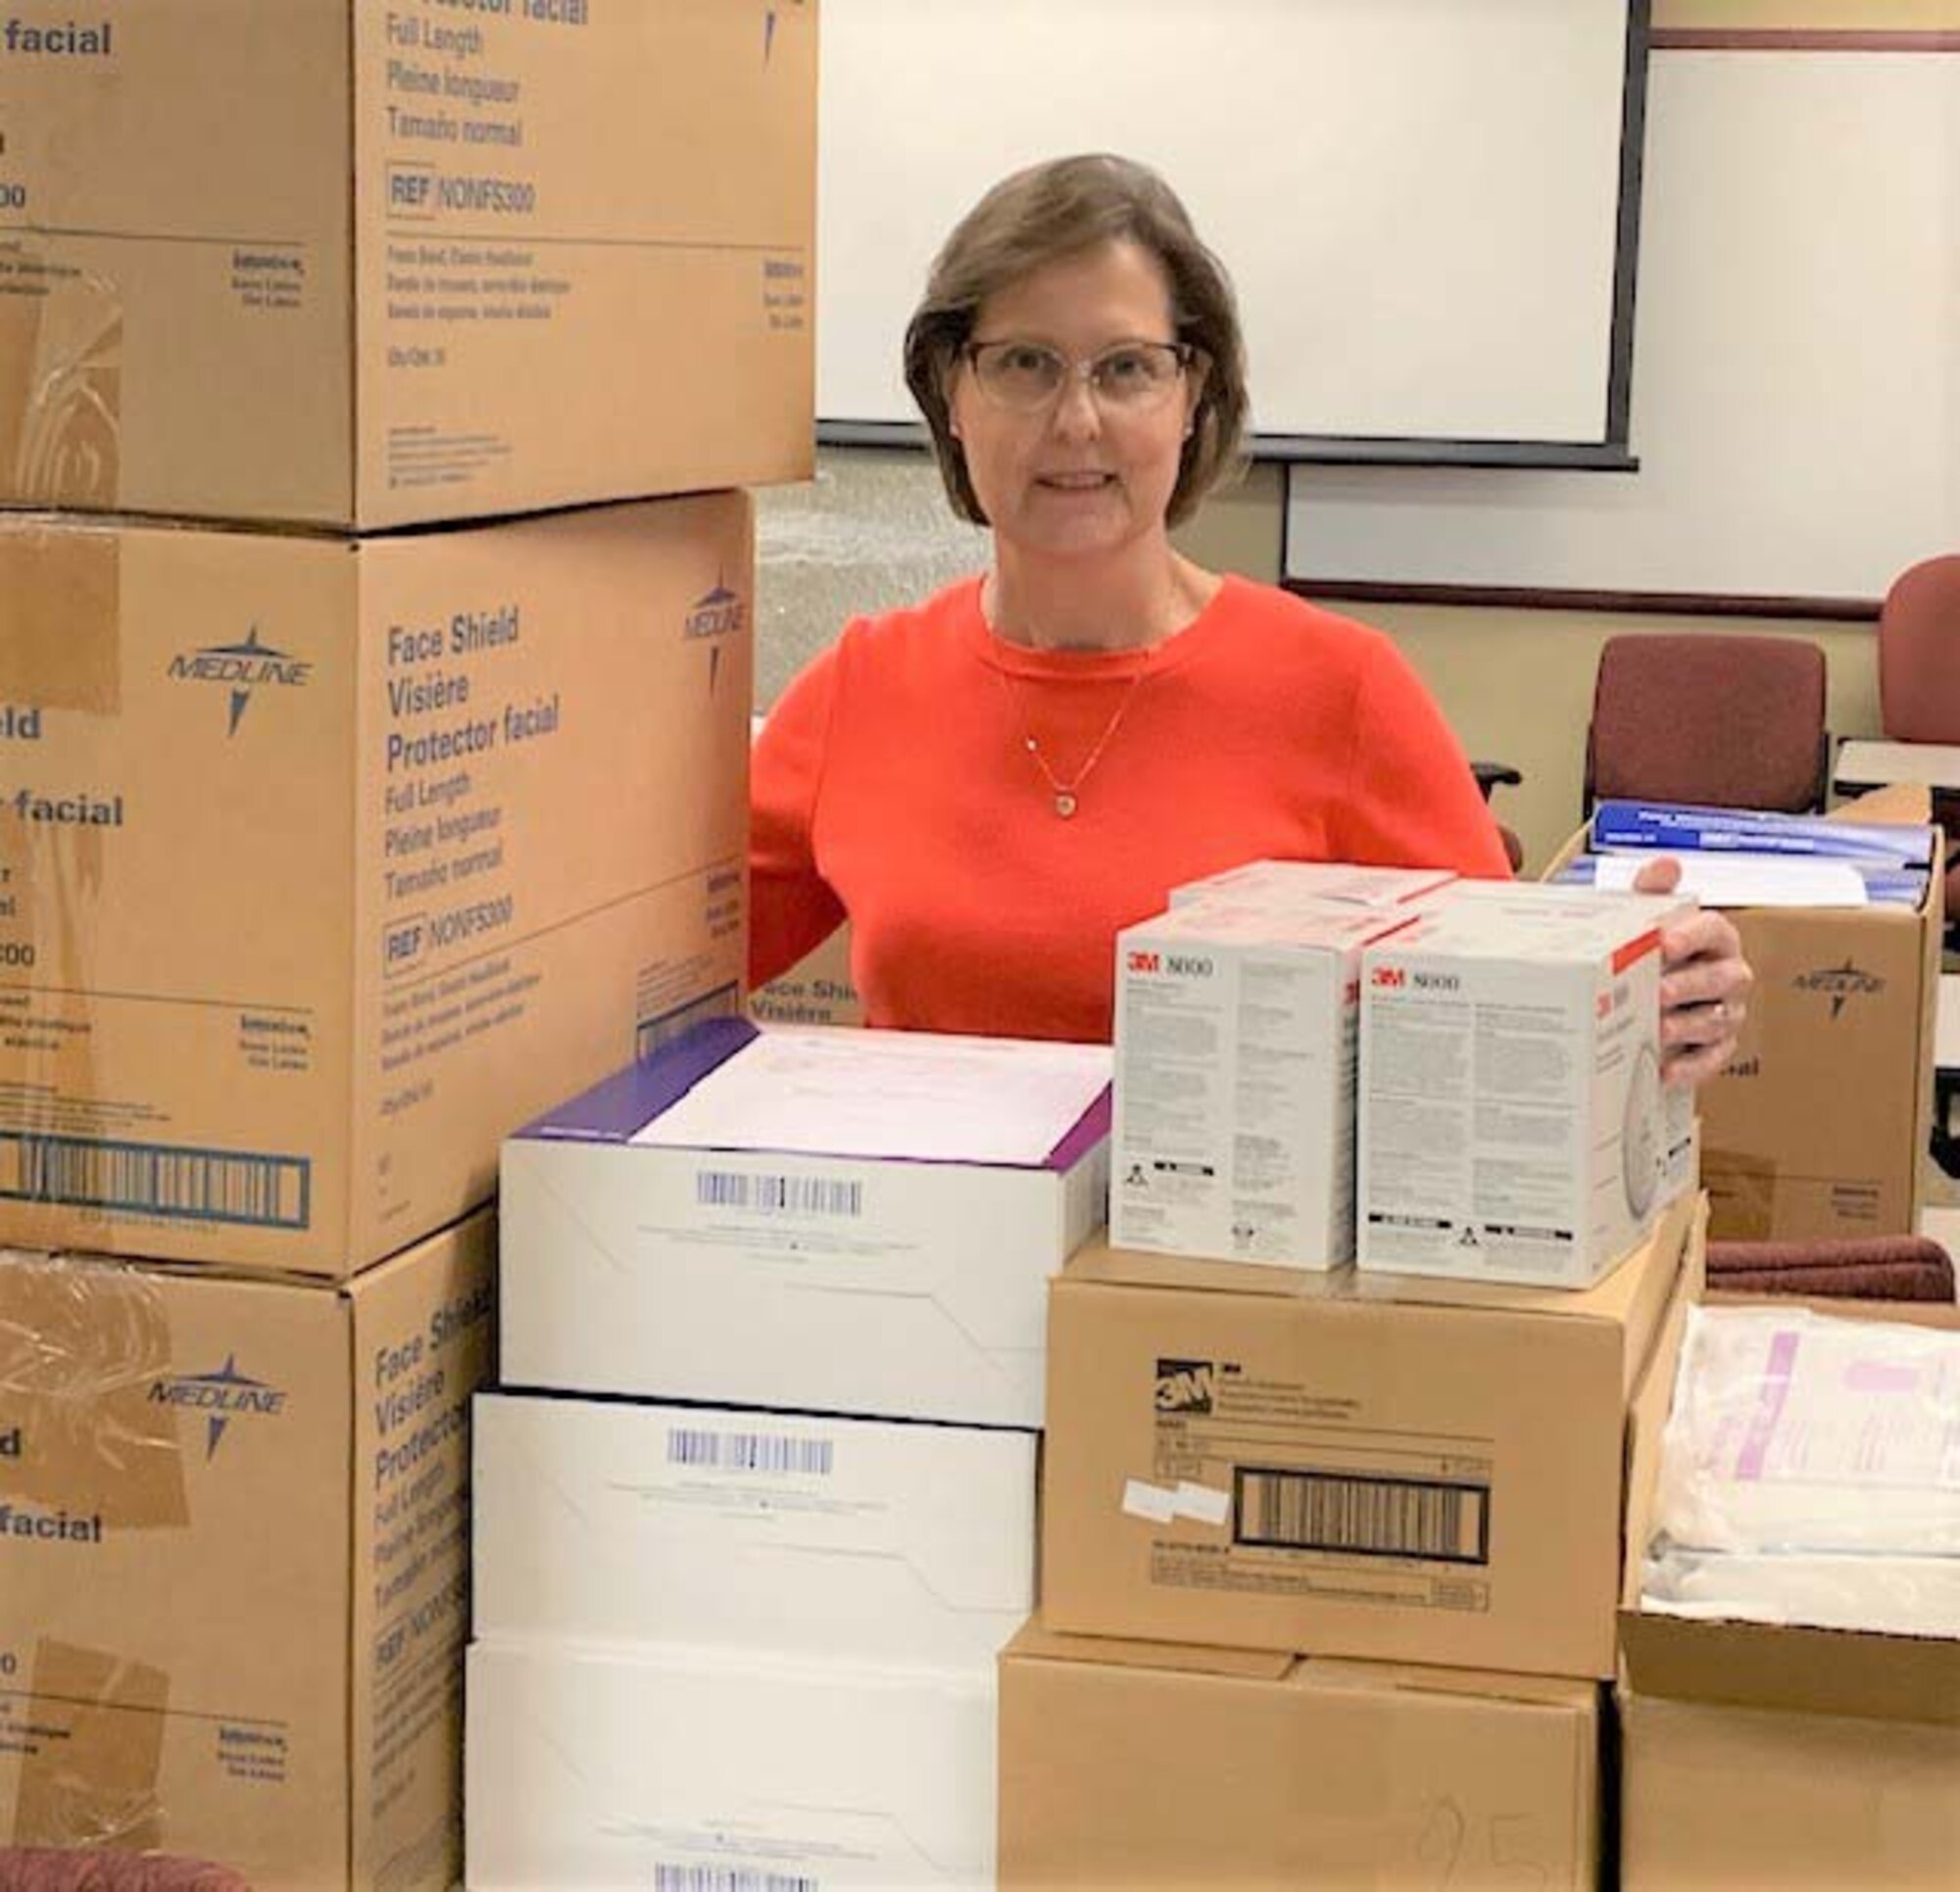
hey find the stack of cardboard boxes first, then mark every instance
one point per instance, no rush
(332, 849)
(737, 1617)
(1331, 1557)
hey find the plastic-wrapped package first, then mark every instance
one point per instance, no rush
(1894, 1595)
(1799, 1432)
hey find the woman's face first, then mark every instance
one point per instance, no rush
(1083, 473)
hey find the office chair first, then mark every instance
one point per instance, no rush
(1492, 775)
(1918, 685)
(1730, 722)
(1862, 1267)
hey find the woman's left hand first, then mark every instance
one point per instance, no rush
(1704, 985)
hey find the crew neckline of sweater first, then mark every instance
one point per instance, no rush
(1024, 660)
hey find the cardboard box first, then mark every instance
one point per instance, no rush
(1272, 1461)
(1818, 1125)
(1512, 1121)
(743, 1273)
(1717, 1795)
(234, 1568)
(852, 1539)
(1842, 1008)
(816, 991)
(680, 1769)
(349, 264)
(1763, 1754)
(1143, 1764)
(1236, 1028)
(325, 863)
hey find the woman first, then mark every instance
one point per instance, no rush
(990, 785)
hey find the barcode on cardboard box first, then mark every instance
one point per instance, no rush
(729, 1879)
(750, 1451)
(158, 1179)
(1280, 1509)
(719, 1188)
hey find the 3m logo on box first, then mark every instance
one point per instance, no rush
(1185, 1385)
(1388, 977)
(1169, 965)
(242, 668)
(1839, 984)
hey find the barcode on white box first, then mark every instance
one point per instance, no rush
(1337, 1511)
(729, 1879)
(719, 1189)
(750, 1451)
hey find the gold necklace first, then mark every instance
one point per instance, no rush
(1066, 799)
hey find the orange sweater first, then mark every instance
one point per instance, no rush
(892, 785)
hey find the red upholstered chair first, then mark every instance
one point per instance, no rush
(1730, 722)
(1919, 681)
(1865, 1268)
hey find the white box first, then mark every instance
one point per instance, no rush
(1291, 882)
(1513, 1124)
(912, 1289)
(1235, 1081)
(854, 1538)
(673, 1769)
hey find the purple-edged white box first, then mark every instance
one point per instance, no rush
(828, 1220)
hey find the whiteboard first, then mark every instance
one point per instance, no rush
(1420, 200)
(1796, 362)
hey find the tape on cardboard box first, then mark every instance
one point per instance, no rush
(88, 1776)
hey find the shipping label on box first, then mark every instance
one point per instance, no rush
(801, 1534)
(373, 265)
(682, 1769)
(729, 1268)
(235, 1562)
(1513, 1125)
(323, 863)
(1325, 1467)
(1235, 1081)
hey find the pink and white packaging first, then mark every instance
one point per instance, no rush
(1513, 1124)
(1234, 1132)
(1268, 883)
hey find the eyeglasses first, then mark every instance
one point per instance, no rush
(1025, 377)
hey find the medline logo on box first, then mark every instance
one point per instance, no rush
(719, 612)
(223, 1396)
(243, 667)
(1840, 983)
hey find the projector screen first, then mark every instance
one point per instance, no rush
(1429, 206)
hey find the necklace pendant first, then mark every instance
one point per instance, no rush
(1064, 803)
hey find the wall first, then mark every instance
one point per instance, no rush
(1516, 683)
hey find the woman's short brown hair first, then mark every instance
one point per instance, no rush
(1060, 209)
